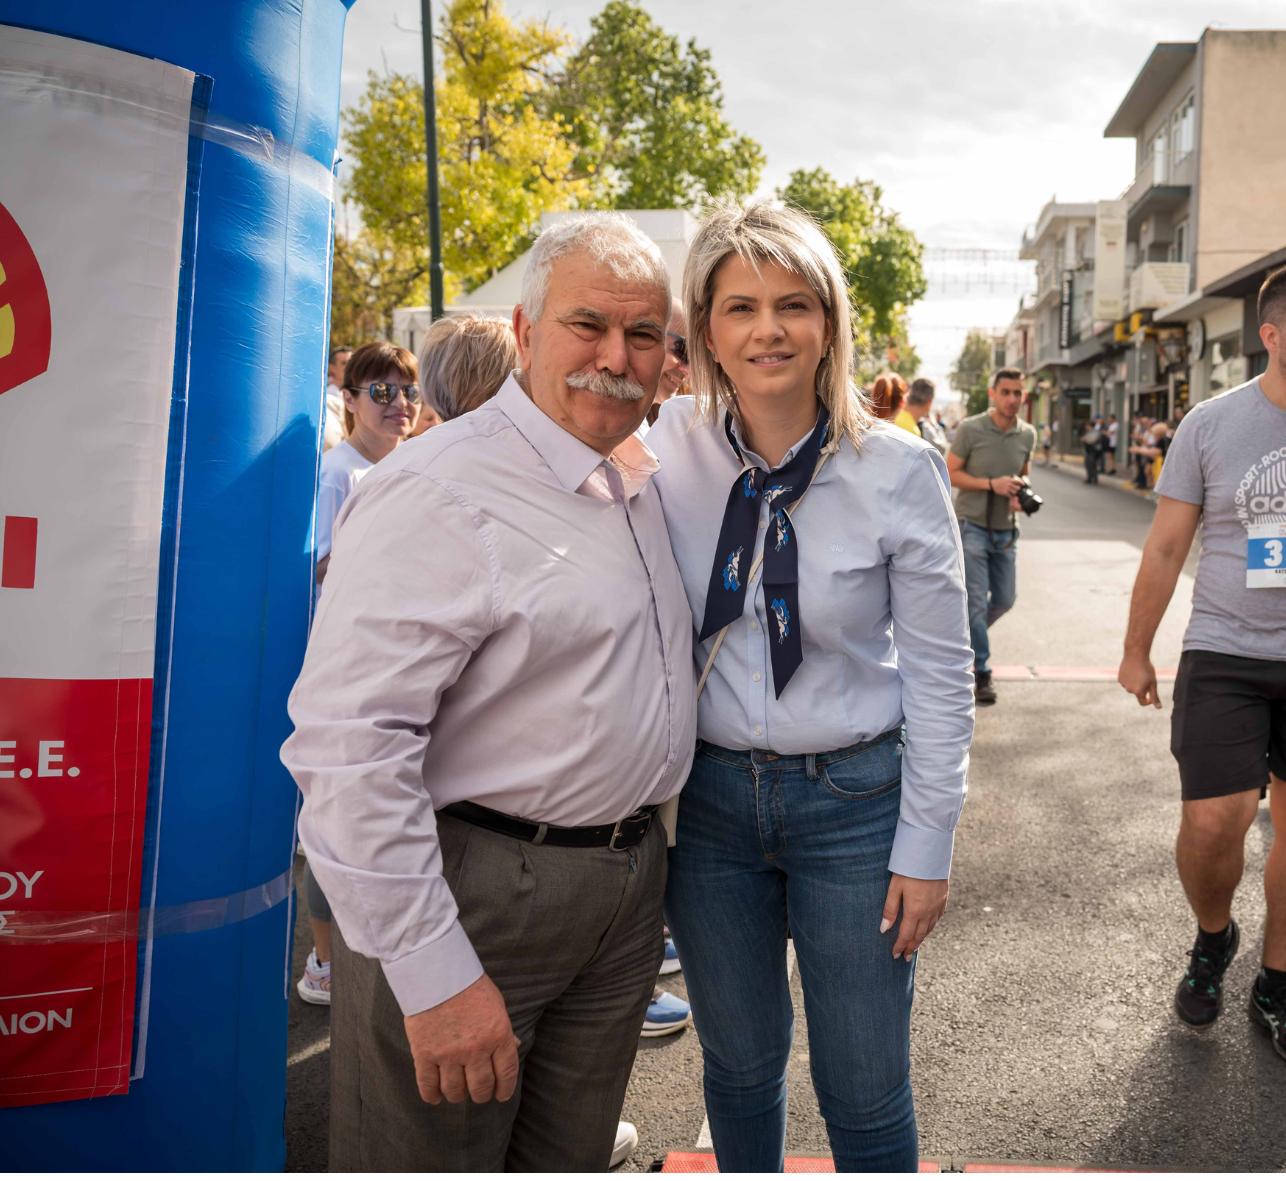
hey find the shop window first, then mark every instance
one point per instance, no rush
(1227, 366)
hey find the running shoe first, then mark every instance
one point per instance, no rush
(984, 692)
(666, 1014)
(627, 1140)
(1199, 998)
(1269, 1010)
(314, 985)
(670, 964)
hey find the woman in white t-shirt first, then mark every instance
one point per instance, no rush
(381, 404)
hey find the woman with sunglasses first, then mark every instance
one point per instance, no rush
(381, 404)
(822, 563)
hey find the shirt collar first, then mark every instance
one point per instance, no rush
(572, 461)
(758, 460)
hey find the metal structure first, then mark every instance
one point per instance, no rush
(431, 164)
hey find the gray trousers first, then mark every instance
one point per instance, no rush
(573, 940)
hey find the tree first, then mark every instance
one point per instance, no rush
(971, 374)
(502, 161)
(646, 117)
(370, 277)
(882, 260)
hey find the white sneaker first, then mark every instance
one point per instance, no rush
(627, 1140)
(314, 985)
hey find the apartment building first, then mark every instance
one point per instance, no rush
(1208, 201)
(1146, 303)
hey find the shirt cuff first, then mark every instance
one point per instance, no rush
(433, 973)
(921, 853)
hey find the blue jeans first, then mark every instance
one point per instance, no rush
(991, 579)
(768, 843)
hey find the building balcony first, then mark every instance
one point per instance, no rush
(1158, 284)
(1162, 183)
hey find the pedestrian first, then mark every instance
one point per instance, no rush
(888, 401)
(1140, 437)
(836, 718)
(495, 698)
(1046, 441)
(372, 429)
(464, 360)
(919, 405)
(1113, 438)
(989, 462)
(333, 411)
(1151, 452)
(1090, 437)
(1225, 471)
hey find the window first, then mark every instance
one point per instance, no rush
(1187, 127)
(1227, 366)
(1179, 248)
(1159, 170)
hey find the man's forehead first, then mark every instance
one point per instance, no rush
(1009, 385)
(578, 281)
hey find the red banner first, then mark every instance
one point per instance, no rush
(73, 797)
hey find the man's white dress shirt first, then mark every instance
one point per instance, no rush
(503, 622)
(883, 607)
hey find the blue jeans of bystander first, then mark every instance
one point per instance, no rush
(768, 843)
(991, 580)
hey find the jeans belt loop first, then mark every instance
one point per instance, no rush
(539, 838)
(812, 766)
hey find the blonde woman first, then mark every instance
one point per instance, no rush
(464, 360)
(821, 558)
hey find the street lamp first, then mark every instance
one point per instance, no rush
(436, 310)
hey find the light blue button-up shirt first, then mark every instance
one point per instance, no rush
(882, 600)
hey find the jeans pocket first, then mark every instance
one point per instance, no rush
(866, 774)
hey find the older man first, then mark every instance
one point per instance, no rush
(496, 696)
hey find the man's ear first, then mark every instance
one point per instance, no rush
(1271, 336)
(522, 334)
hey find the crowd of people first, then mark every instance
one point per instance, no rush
(643, 637)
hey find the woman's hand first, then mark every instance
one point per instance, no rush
(922, 903)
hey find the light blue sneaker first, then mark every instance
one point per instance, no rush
(670, 964)
(666, 1014)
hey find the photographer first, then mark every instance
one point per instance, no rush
(989, 461)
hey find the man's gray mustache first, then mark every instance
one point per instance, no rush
(607, 385)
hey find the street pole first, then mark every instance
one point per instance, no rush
(431, 166)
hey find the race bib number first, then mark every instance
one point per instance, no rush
(1266, 556)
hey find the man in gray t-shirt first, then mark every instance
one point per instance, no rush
(1225, 469)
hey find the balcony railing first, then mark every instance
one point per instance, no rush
(1161, 168)
(1156, 284)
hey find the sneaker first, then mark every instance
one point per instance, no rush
(666, 1014)
(984, 692)
(314, 985)
(627, 1140)
(1269, 1010)
(670, 964)
(1199, 998)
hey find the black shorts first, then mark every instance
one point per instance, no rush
(1229, 724)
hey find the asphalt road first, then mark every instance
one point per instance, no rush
(1043, 1027)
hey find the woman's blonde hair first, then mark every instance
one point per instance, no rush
(464, 361)
(768, 231)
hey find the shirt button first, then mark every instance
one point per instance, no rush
(754, 625)
(758, 731)
(757, 676)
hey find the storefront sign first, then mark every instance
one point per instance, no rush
(1109, 261)
(1065, 310)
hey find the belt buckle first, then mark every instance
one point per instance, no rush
(640, 814)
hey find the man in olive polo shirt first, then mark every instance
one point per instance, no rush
(989, 461)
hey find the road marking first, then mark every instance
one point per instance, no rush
(318, 1047)
(56, 992)
(704, 1140)
(1063, 672)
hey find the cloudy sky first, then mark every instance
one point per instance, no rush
(970, 113)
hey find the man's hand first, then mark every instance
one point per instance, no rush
(922, 902)
(1136, 675)
(1006, 485)
(465, 1046)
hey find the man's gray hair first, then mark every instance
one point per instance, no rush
(921, 393)
(610, 238)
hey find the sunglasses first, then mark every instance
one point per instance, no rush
(383, 392)
(679, 348)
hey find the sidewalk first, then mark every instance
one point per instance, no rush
(1075, 465)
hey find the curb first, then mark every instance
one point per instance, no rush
(704, 1162)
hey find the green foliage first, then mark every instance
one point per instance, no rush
(971, 374)
(646, 117)
(370, 277)
(882, 260)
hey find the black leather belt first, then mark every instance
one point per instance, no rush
(624, 834)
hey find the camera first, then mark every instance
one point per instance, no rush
(1028, 501)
